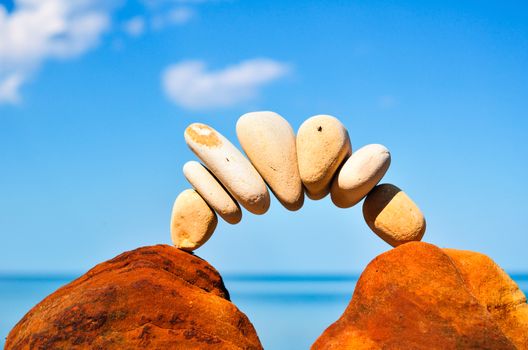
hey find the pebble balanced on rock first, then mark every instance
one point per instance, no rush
(319, 159)
(192, 221)
(393, 216)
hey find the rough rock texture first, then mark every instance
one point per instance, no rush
(497, 291)
(155, 297)
(418, 296)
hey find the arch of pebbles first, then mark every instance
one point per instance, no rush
(317, 161)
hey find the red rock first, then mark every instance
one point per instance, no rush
(417, 296)
(497, 291)
(155, 297)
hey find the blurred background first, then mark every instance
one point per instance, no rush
(95, 96)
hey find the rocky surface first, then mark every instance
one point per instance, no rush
(497, 291)
(269, 142)
(155, 297)
(359, 174)
(393, 216)
(322, 146)
(230, 167)
(192, 221)
(212, 192)
(418, 296)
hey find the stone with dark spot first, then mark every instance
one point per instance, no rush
(155, 297)
(418, 296)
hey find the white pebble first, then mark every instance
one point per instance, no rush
(269, 142)
(360, 173)
(212, 192)
(230, 167)
(322, 145)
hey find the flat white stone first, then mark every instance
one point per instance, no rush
(212, 192)
(322, 145)
(359, 174)
(229, 166)
(192, 221)
(269, 142)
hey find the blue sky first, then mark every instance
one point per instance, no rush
(95, 97)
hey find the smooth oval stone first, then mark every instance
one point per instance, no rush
(212, 192)
(322, 145)
(359, 174)
(230, 167)
(269, 142)
(192, 221)
(393, 216)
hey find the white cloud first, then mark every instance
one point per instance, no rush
(177, 16)
(161, 3)
(158, 19)
(9, 89)
(37, 30)
(135, 26)
(190, 85)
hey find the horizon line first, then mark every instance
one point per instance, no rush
(228, 276)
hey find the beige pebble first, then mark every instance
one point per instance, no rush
(322, 145)
(192, 221)
(393, 216)
(359, 174)
(269, 142)
(212, 192)
(230, 167)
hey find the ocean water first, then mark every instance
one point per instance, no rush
(288, 311)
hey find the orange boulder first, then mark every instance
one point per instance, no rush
(494, 289)
(155, 297)
(418, 296)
